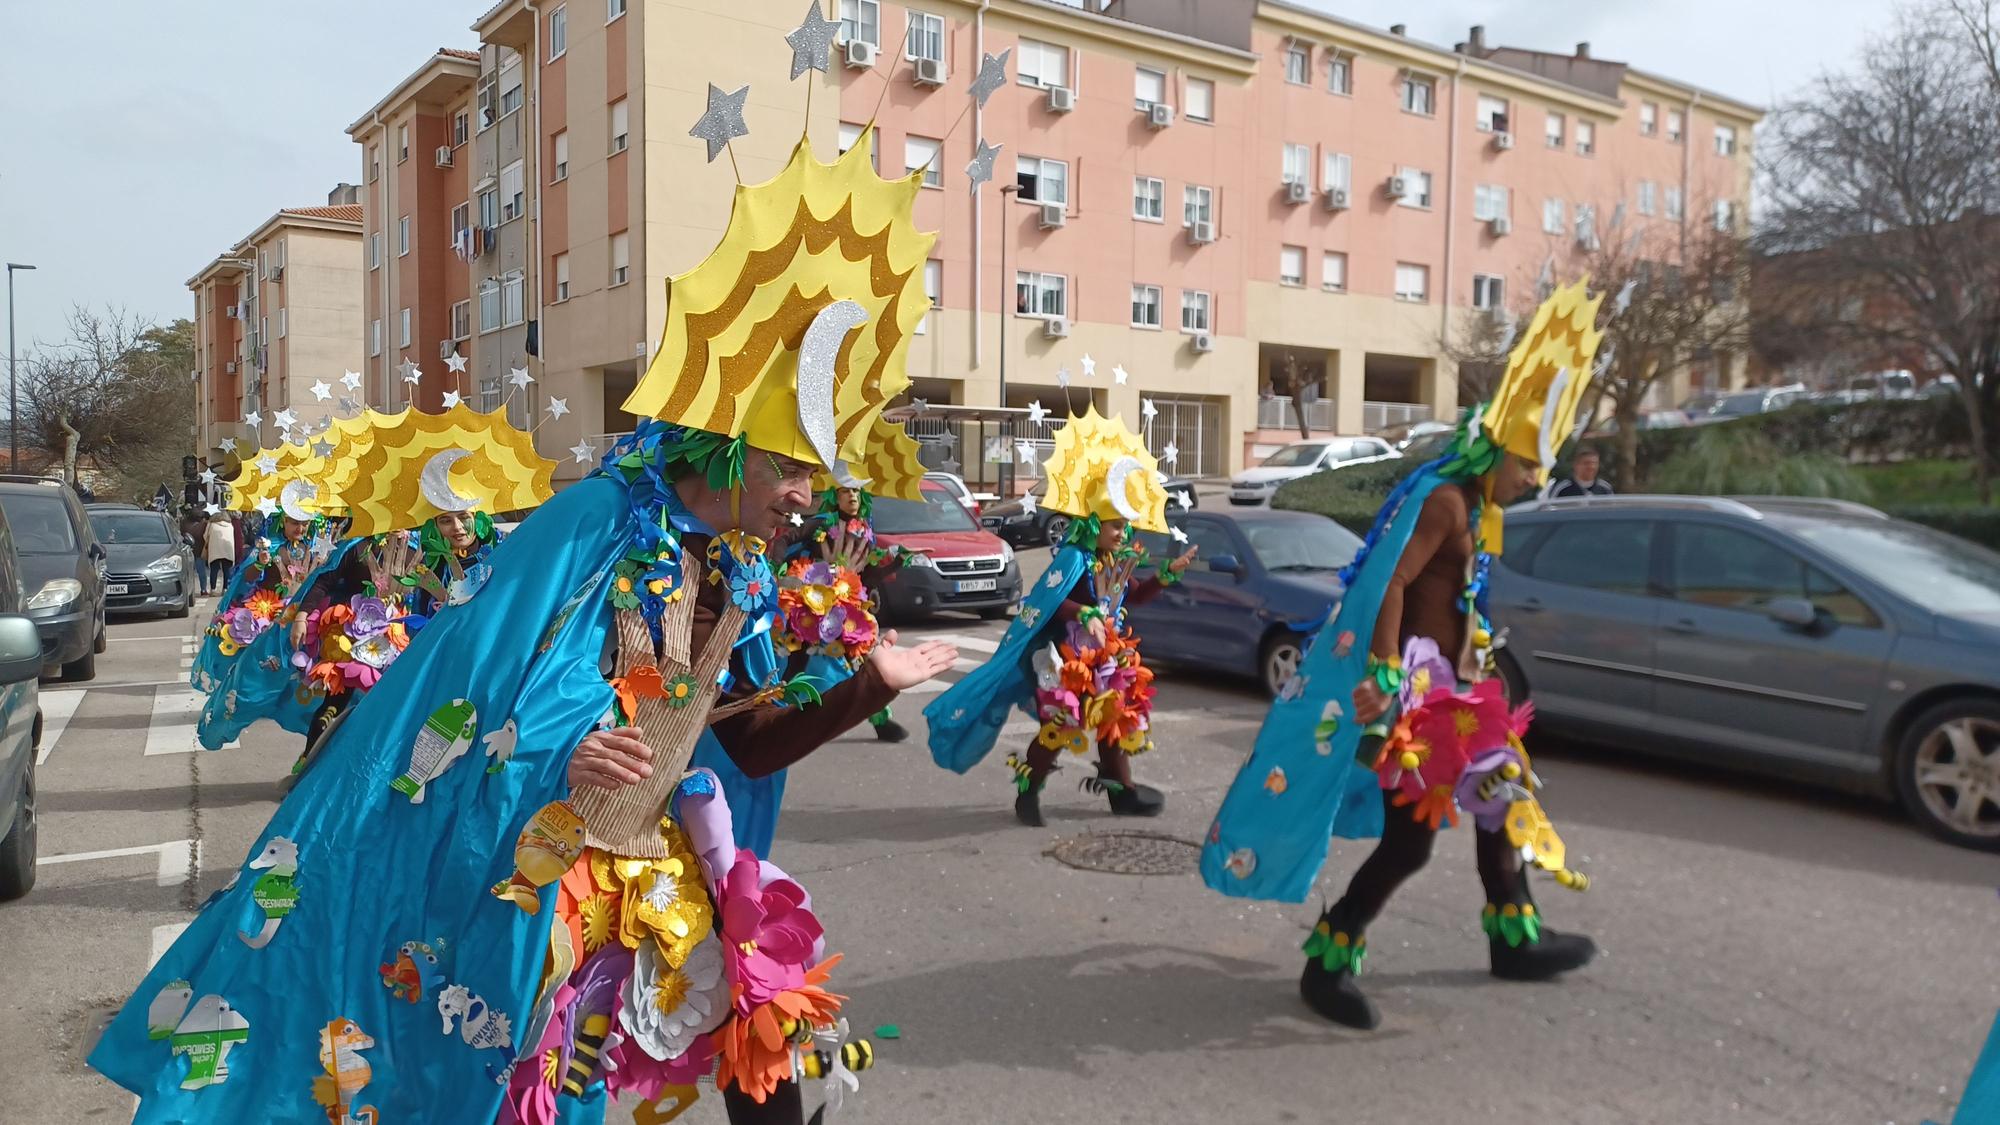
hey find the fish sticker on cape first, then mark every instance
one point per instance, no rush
(444, 739)
(414, 972)
(478, 1024)
(276, 891)
(206, 1034)
(549, 846)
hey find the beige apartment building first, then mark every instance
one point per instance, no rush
(273, 314)
(1215, 198)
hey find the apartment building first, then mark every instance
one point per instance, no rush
(276, 312)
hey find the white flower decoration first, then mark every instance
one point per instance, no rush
(703, 998)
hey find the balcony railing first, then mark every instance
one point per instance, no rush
(1278, 413)
(1379, 416)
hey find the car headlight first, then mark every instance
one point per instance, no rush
(922, 560)
(1006, 554)
(56, 593)
(166, 566)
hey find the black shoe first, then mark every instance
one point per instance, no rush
(1136, 800)
(1028, 808)
(889, 730)
(1543, 959)
(1335, 996)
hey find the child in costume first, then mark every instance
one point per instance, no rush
(1395, 724)
(255, 597)
(1070, 659)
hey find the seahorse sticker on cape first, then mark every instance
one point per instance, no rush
(444, 739)
(206, 1034)
(478, 1024)
(340, 1045)
(548, 846)
(276, 891)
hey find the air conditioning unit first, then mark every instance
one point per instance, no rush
(277, 273)
(1201, 231)
(1052, 216)
(229, 368)
(444, 156)
(235, 312)
(1062, 99)
(1397, 188)
(1503, 141)
(1203, 342)
(1055, 328)
(1501, 226)
(859, 54)
(927, 72)
(447, 348)
(1297, 191)
(1336, 199)
(1159, 116)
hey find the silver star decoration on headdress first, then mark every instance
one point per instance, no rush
(322, 448)
(1119, 375)
(1603, 361)
(919, 405)
(992, 75)
(1182, 498)
(796, 519)
(1170, 454)
(1089, 366)
(412, 374)
(227, 445)
(723, 120)
(519, 377)
(1062, 376)
(212, 508)
(322, 390)
(349, 404)
(252, 419)
(558, 407)
(455, 362)
(285, 419)
(1029, 503)
(267, 507)
(812, 42)
(980, 169)
(1507, 341)
(351, 380)
(1024, 451)
(267, 464)
(1179, 535)
(1147, 408)
(1037, 413)
(208, 476)
(1623, 300)
(582, 452)
(451, 399)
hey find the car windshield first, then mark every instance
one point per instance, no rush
(1295, 456)
(1301, 546)
(938, 511)
(1736, 406)
(1941, 573)
(129, 527)
(40, 523)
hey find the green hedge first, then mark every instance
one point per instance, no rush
(1981, 525)
(1349, 496)
(1864, 432)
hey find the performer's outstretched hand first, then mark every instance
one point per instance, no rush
(1370, 701)
(1180, 564)
(611, 759)
(905, 668)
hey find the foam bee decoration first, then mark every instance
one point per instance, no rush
(827, 1054)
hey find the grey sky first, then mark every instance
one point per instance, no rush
(166, 131)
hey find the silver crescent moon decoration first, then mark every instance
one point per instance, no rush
(292, 499)
(1549, 407)
(817, 353)
(434, 482)
(1115, 479)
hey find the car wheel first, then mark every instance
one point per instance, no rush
(1279, 660)
(100, 642)
(182, 610)
(1512, 683)
(1058, 530)
(17, 851)
(82, 668)
(1948, 772)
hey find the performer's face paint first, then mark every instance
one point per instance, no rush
(1110, 535)
(1514, 477)
(773, 489)
(456, 527)
(848, 501)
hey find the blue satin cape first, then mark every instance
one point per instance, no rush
(210, 666)
(263, 684)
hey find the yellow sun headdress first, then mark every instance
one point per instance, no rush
(1101, 470)
(274, 478)
(411, 466)
(888, 463)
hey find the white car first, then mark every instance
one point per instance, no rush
(1302, 459)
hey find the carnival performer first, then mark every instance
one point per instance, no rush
(1395, 723)
(1070, 658)
(523, 938)
(255, 596)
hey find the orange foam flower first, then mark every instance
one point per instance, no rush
(1435, 807)
(755, 1054)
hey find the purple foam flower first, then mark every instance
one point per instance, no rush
(371, 616)
(1425, 670)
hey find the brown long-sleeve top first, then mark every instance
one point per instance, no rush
(1422, 598)
(1083, 595)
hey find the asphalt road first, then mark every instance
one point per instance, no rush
(1771, 953)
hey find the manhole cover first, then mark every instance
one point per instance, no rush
(1127, 853)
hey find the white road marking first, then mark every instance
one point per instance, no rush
(175, 716)
(177, 858)
(58, 707)
(962, 640)
(163, 939)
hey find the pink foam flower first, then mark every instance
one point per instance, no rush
(769, 930)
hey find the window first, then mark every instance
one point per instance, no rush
(1337, 171)
(1333, 271)
(263, 264)
(1200, 100)
(513, 192)
(510, 86)
(1674, 210)
(402, 143)
(1149, 199)
(375, 250)
(1725, 215)
(1648, 194)
(621, 257)
(1615, 556)
(615, 8)
(1041, 180)
(1676, 125)
(558, 32)
(1145, 306)
(1725, 140)
(374, 163)
(1298, 164)
(513, 309)
(620, 126)
(1413, 283)
(1552, 129)
(1723, 568)
(461, 221)
(922, 153)
(487, 95)
(461, 320)
(375, 337)
(1298, 64)
(1491, 116)
(403, 236)
(1489, 201)
(283, 322)
(933, 290)
(403, 331)
(489, 304)
(1552, 216)
(926, 37)
(861, 20)
(1586, 138)
(1586, 226)
(1196, 307)
(1416, 188)
(560, 159)
(1042, 65)
(1649, 119)
(1041, 294)
(1149, 88)
(562, 277)
(1291, 265)
(1197, 205)
(1487, 292)
(461, 127)
(489, 208)
(1419, 94)
(1339, 73)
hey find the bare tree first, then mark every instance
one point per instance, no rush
(115, 393)
(1882, 189)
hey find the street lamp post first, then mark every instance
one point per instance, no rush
(1007, 192)
(13, 381)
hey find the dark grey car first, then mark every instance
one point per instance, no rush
(1815, 639)
(150, 568)
(62, 573)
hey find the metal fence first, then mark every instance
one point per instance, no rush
(1379, 416)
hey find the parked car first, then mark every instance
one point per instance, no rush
(1815, 639)
(1263, 580)
(20, 727)
(1012, 521)
(1302, 459)
(151, 569)
(956, 564)
(956, 485)
(1402, 436)
(62, 568)
(1756, 400)
(1650, 420)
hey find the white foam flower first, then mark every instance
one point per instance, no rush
(666, 1009)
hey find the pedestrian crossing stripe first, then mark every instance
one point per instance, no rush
(58, 707)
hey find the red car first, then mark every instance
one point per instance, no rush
(955, 563)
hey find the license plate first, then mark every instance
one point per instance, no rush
(115, 588)
(978, 585)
